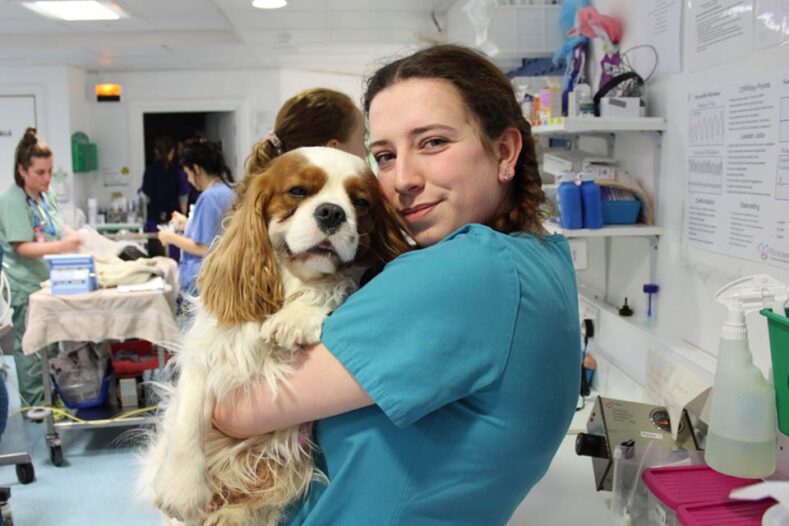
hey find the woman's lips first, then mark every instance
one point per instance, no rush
(415, 213)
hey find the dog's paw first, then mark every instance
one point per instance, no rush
(181, 494)
(291, 328)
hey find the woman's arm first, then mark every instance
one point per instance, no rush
(319, 387)
(183, 242)
(35, 250)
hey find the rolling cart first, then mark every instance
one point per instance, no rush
(99, 315)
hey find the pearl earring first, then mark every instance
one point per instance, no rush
(506, 174)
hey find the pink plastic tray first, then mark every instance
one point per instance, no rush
(675, 486)
(730, 513)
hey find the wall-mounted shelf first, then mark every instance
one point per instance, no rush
(592, 125)
(611, 131)
(636, 230)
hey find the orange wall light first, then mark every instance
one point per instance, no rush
(108, 92)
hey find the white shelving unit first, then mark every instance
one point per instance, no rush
(636, 230)
(575, 127)
(597, 125)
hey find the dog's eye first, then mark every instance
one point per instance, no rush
(362, 203)
(298, 191)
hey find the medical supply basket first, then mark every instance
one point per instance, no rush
(778, 329)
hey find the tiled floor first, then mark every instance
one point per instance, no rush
(95, 486)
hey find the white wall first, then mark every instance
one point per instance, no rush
(293, 81)
(52, 88)
(256, 96)
(687, 314)
(65, 103)
(117, 126)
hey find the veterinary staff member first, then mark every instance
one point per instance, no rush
(206, 169)
(164, 187)
(314, 117)
(443, 387)
(30, 228)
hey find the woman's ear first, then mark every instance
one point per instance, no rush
(508, 148)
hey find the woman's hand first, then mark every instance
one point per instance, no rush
(178, 220)
(70, 242)
(167, 237)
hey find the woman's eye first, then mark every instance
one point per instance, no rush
(434, 142)
(298, 191)
(360, 202)
(381, 158)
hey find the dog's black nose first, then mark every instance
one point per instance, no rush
(329, 217)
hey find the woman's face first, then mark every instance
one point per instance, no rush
(355, 143)
(38, 175)
(190, 175)
(432, 164)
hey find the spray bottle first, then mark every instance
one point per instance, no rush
(741, 435)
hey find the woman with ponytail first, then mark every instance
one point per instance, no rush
(30, 228)
(314, 117)
(205, 167)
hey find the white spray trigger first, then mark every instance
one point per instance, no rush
(752, 293)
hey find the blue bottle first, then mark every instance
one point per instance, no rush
(570, 210)
(592, 203)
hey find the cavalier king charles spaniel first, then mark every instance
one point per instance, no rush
(293, 248)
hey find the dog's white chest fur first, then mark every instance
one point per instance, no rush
(198, 474)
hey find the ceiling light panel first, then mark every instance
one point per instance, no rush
(74, 10)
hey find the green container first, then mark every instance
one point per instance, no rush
(84, 157)
(778, 328)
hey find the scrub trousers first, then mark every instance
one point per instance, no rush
(28, 367)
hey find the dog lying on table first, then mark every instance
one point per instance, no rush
(292, 250)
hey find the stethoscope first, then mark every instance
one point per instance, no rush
(38, 226)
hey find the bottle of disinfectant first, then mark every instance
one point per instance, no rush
(741, 435)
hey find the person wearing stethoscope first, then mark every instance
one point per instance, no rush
(30, 228)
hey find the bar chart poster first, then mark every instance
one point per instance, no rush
(737, 200)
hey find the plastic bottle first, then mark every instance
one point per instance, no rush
(592, 203)
(741, 435)
(570, 208)
(650, 289)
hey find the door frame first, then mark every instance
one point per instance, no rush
(239, 108)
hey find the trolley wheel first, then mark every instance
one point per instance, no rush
(25, 473)
(56, 455)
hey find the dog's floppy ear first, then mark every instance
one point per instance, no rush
(239, 280)
(387, 239)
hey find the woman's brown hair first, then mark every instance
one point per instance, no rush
(489, 97)
(310, 118)
(29, 146)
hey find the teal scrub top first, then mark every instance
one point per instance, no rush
(17, 225)
(471, 351)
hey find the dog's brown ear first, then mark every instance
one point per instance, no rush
(388, 237)
(239, 280)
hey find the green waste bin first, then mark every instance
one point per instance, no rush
(778, 329)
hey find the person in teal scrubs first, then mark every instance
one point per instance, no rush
(30, 228)
(441, 389)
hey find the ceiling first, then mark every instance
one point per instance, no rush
(344, 36)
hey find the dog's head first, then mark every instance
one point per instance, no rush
(312, 212)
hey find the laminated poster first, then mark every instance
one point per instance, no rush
(719, 31)
(737, 201)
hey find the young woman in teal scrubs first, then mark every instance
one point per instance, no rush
(30, 228)
(441, 389)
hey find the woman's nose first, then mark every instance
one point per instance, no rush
(408, 176)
